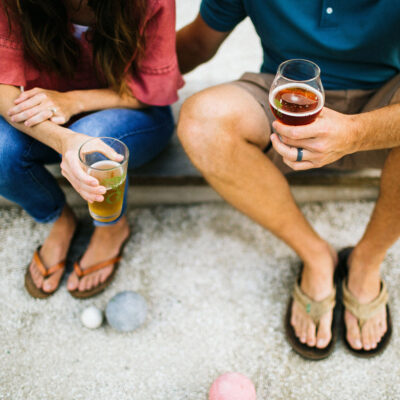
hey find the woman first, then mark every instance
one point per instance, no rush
(71, 69)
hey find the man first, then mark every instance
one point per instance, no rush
(227, 135)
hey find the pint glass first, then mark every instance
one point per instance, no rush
(97, 161)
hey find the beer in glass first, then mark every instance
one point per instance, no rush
(97, 160)
(297, 96)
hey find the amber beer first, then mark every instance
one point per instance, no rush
(296, 103)
(111, 175)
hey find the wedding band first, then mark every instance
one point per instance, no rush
(53, 110)
(299, 154)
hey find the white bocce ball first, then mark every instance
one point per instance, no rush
(92, 317)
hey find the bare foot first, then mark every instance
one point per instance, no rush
(54, 250)
(105, 244)
(364, 282)
(317, 283)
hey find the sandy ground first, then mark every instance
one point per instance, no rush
(216, 285)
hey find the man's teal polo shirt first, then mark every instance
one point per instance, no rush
(355, 42)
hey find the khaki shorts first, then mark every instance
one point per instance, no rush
(344, 101)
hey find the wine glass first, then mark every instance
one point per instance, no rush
(297, 96)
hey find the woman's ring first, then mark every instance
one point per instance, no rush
(53, 110)
(299, 154)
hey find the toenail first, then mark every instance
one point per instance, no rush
(357, 343)
(321, 342)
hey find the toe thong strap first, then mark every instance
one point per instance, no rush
(315, 309)
(363, 312)
(83, 272)
(44, 271)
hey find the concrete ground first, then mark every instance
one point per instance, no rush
(217, 286)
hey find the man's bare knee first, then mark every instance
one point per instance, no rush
(215, 121)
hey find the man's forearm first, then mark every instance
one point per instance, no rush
(378, 129)
(46, 132)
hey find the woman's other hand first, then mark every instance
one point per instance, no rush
(37, 105)
(73, 169)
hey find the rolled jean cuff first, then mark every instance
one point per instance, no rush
(51, 217)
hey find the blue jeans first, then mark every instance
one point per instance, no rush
(25, 181)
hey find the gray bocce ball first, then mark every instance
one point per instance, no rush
(126, 311)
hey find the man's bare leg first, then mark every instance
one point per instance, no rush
(223, 129)
(365, 261)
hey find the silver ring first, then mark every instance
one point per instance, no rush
(299, 154)
(53, 110)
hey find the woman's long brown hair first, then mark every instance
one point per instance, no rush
(116, 36)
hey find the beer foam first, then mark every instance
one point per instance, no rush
(297, 85)
(100, 169)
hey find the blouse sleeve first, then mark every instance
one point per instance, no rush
(12, 63)
(158, 78)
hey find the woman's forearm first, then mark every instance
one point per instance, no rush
(101, 99)
(47, 132)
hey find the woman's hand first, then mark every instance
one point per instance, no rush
(37, 105)
(72, 168)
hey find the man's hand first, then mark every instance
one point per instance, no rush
(37, 105)
(330, 137)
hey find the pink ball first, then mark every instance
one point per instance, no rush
(232, 386)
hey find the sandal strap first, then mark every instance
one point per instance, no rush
(363, 312)
(87, 271)
(44, 271)
(315, 309)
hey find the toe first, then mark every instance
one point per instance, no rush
(303, 331)
(324, 333)
(311, 337)
(366, 337)
(51, 283)
(73, 282)
(36, 276)
(96, 280)
(105, 273)
(353, 335)
(84, 283)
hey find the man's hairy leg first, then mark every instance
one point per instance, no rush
(366, 259)
(223, 130)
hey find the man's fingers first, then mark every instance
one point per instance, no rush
(294, 132)
(300, 165)
(290, 152)
(308, 144)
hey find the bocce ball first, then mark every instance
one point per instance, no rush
(126, 311)
(92, 317)
(232, 386)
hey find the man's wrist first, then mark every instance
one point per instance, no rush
(356, 134)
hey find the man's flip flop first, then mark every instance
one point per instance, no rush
(87, 271)
(30, 286)
(363, 312)
(315, 309)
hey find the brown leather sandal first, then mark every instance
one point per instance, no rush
(363, 312)
(30, 286)
(315, 309)
(87, 271)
